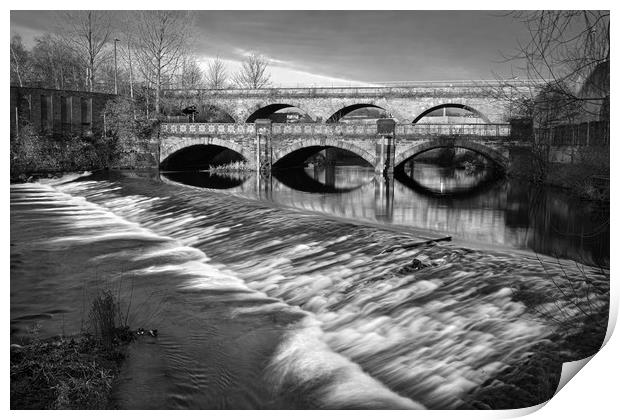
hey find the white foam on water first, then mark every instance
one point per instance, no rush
(303, 360)
(434, 339)
(63, 178)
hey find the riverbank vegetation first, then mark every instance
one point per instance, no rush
(33, 154)
(238, 166)
(75, 372)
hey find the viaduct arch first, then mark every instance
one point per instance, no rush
(452, 105)
(404, 103)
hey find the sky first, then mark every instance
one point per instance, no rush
(345, 47)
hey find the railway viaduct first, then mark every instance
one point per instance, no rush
(384, 144)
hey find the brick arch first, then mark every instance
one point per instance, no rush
(493, 154)
(167, 152)
(336, 112)
(452, 105)
(324, 142)
(276, 105)
(223, 106)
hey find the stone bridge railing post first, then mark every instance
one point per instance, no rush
(264, 149)
(386, 147)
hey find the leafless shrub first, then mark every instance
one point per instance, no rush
(105, 318)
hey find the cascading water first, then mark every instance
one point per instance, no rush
(263, 307)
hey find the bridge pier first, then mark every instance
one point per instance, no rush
(330, 167)
(385, 146)
(264, 148)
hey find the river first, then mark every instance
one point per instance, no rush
(299, 292)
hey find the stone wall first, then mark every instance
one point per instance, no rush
(27, 104)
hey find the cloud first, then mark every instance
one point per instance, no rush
(284, 73)
(28, 35)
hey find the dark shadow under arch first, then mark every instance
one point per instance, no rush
(493, 155)
(199, 157)
(336, 116)
(460, 106)
(295, 155)
(266, 111)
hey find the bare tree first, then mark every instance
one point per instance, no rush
(217, 76)
(20, 61)
(570, 50)
(565, 65)
(191, 75)
(253, 73)
(88, 33)
(57, 66)
(162, 41)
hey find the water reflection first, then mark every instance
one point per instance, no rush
(217, 181)
(476, 208)
(433, 180)
(326, 179)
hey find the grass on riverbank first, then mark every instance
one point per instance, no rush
(239, 166)
(72, 372)
(64, 373)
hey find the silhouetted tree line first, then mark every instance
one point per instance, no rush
(135, 53)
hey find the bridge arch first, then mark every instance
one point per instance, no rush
(218, 113)
(452, 105)
(264, 111)
(206, 112)
(306, 148)
(340, 113)
(490, 153)
(191, 145)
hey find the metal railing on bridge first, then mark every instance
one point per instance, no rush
(339, 129)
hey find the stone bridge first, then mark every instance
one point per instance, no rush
(283, 145)
(488, 100)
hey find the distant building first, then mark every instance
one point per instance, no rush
(56, 111)
(596, 85)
